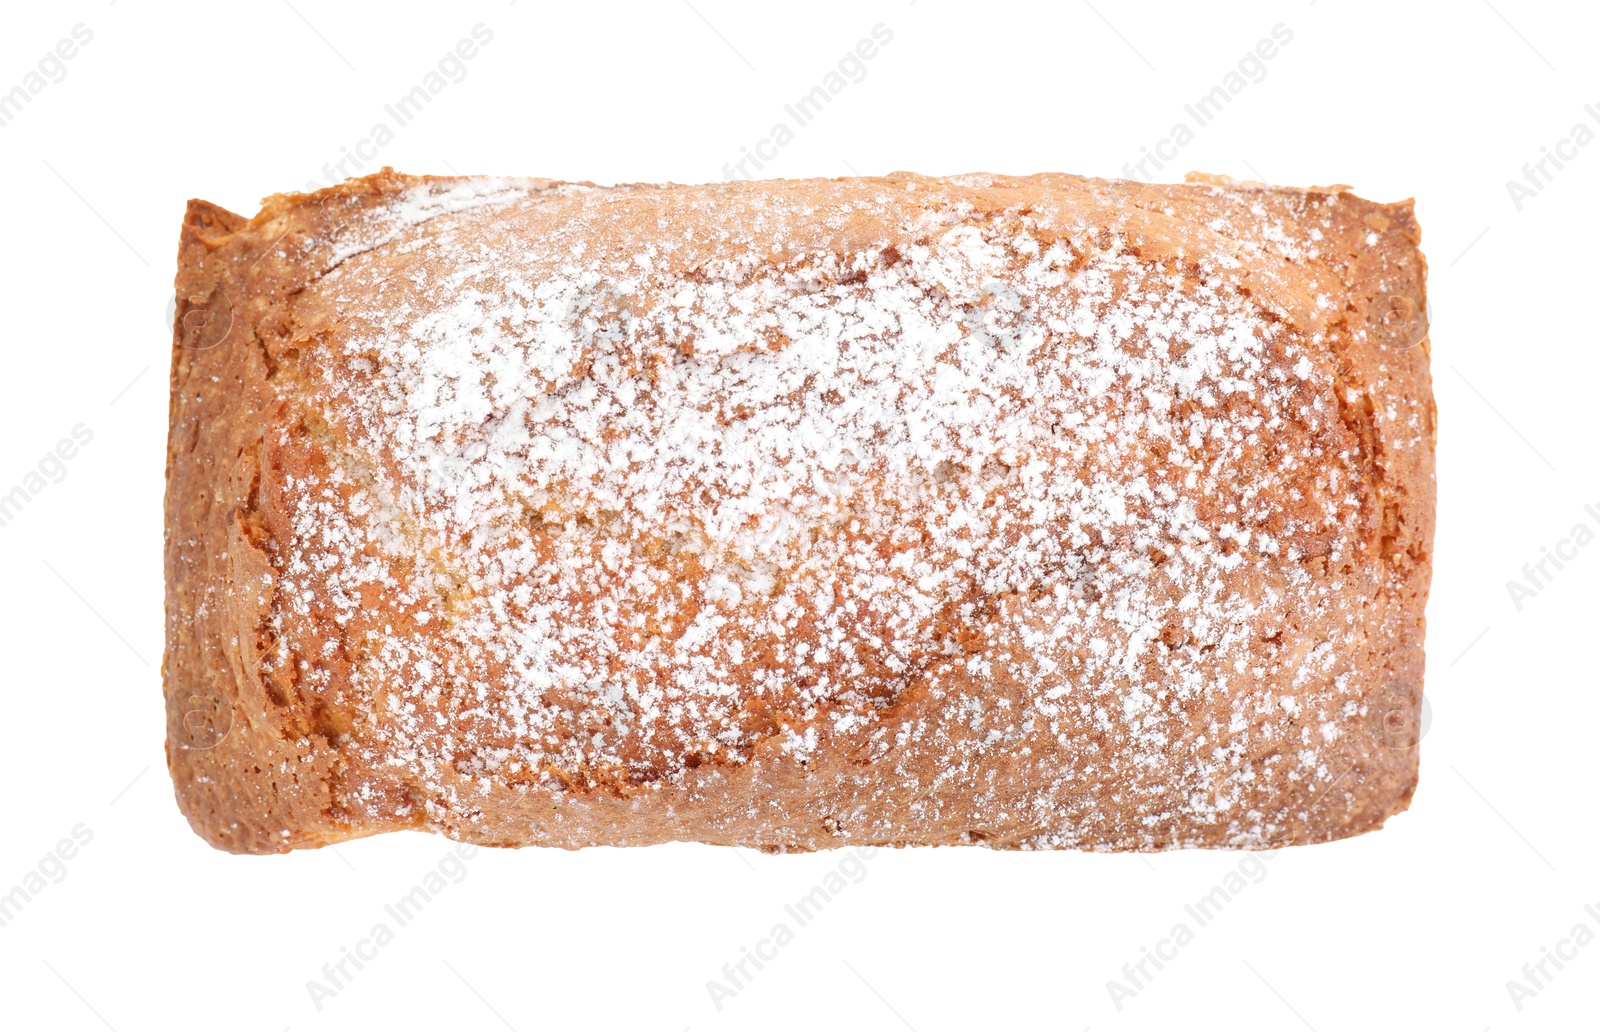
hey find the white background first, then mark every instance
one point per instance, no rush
(1420, 925)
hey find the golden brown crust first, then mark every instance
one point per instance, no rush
(390, 607)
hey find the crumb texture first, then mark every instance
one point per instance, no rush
(1032, 512)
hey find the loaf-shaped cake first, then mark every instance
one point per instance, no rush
(1030, 512)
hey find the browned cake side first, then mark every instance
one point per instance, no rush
(1034, 512)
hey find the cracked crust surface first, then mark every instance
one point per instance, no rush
(1034, 512)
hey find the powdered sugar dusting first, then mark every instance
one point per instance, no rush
(646, 511)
